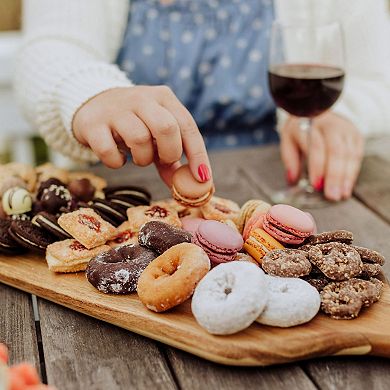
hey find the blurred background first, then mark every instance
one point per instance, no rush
(18, 141)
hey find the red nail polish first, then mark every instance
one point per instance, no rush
(290, 178)
(319, 184)
(204, 173)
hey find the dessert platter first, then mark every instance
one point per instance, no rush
(251, 285)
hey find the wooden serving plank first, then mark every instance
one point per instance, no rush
(256, 346)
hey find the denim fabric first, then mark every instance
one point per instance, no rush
(213, 54)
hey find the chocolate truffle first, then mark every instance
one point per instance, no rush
(82, 189)
(55, 198)
(16, 200)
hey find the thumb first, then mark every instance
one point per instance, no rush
(166, 171)
(290, 153)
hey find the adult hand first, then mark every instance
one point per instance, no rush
(148, 121)
(335, 155)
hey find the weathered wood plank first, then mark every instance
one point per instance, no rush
(373, 187)
(84, 353)
(17, 326)
(357, 373)
(196, 374)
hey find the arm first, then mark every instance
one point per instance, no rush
(65, 61)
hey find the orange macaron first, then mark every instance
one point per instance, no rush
(259, 243)
(189, 192)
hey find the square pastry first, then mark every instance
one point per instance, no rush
(125, 235)
(87, 227)
(71, 256)
(139, 215)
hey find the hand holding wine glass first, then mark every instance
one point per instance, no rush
(306, 77)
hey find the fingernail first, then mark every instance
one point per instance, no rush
(290, 177)
(204, 172)
(334, 193)
(319, 184)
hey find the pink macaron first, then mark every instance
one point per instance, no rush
(219, 241)
(190, 224)
(288, 224)
(255, 221)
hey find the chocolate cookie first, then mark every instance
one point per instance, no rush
(369, 255)
(370, 269)
(109, 209)
(7, 244)
(336, 260)
(48, 222)
(135, 195)
(290, 263)
(117, 271)
(343, 236)
(30, 236)
(159, 236)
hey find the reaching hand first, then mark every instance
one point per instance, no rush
(335, 155)
(148, 121)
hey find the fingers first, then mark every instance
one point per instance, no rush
(336, 166)
(3, 353)
(192, 139)
(165, 130)
(354, 158)
(290, 152)
(102, 143)
(136, 136)
(166, 171)
(317, 159)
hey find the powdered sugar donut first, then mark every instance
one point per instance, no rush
(291, 301)
(230, 297)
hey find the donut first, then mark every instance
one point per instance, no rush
(117, 271)
(291, 302)
(230, 297)
(171, 278)
(160, 236)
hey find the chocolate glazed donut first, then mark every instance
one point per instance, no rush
(117, 271)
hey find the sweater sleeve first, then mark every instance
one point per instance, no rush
(366, 96)
(64, 61)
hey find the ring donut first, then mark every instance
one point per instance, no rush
(117, 270)
(171, 278)
(230, 297)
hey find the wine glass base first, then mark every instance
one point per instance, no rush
(302, 195)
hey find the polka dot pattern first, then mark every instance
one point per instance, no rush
(213, 54)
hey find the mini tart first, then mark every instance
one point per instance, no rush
(187, 191)
(260, 243)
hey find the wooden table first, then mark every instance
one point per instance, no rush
(73, 351)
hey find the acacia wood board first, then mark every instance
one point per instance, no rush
(258, 345)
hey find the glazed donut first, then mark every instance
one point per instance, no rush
(230, 297)
(117, 270)
(171, 278)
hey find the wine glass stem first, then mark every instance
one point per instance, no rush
(305, 125)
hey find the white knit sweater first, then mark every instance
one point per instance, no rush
(70, 45)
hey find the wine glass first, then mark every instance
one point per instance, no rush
(306, 77)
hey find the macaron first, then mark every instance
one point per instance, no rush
(187, 191)
(288, 224)
(248, 209)
(191, 224)
(218, 240)
(259, 243)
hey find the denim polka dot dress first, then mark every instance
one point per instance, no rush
(213, 55)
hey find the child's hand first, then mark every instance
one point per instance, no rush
(335, 154)
(150, 122)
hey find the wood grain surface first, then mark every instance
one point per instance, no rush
(258, 345)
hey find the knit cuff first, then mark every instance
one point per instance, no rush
(77, 88)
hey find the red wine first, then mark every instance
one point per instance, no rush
(305, 90)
